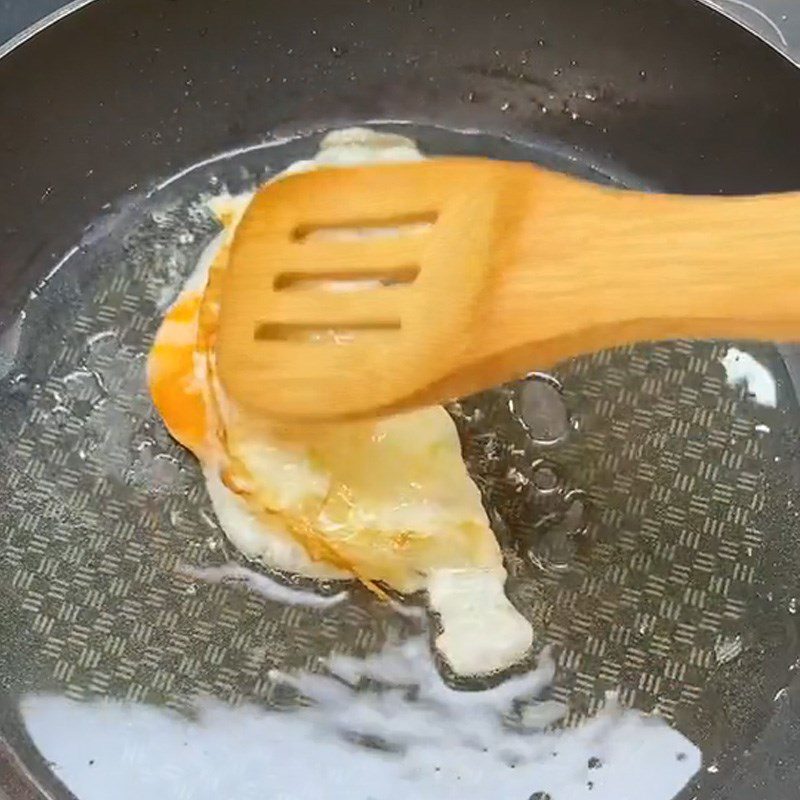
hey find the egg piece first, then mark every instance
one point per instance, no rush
(388, 502)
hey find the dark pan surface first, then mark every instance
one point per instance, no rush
(632, 92)
(131, 93)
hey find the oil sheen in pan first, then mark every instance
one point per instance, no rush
(646, 521)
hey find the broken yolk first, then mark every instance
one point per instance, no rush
(175, 390)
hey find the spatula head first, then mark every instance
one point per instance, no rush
(349, 289)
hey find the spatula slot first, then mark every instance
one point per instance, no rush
(345, 280)
(321, 332)
(374, 228)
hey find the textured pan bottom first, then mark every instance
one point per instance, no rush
(645, 508)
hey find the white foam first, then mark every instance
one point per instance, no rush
(741, 369)
(261, 584)
(9, 344)
(444, 744)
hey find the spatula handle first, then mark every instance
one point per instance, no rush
(591, 268)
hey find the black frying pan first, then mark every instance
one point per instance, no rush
(98, 109)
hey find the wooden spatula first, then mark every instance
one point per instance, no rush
(368, 290)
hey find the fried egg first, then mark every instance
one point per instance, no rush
(386, 502)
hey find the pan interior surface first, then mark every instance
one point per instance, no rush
(646, 507)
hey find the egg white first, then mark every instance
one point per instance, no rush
(393, 492)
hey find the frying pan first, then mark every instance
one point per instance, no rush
(114, 123)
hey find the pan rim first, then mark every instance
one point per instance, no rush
(76, 5)
(40, 25)
(79, 5)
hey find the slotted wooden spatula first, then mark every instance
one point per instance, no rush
(368, 290)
